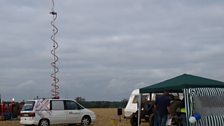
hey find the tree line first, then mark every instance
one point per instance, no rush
(102, 104)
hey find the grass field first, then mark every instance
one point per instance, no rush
(104, 118)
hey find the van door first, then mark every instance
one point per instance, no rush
(58, 114)
(73, 111)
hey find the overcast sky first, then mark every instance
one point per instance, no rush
(107, 48)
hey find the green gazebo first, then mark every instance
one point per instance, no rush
(201, 95)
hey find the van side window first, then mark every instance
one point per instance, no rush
(57, 105)
(135, 100)
(71, 105)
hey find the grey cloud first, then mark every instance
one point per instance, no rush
(107, 48)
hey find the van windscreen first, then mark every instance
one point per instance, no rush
(28, 106)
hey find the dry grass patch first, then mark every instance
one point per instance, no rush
(105, 118)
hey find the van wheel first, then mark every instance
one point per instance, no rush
(44, 122)
(86, 121)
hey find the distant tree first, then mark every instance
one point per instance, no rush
(80, 99)
(124, 102)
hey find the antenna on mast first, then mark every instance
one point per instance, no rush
(54, 84)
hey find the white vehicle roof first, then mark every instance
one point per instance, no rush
(135, 91)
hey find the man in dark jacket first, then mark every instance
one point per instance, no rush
(161, 113)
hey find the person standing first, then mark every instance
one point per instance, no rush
(161, 104)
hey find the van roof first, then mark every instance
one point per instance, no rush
(49, 99)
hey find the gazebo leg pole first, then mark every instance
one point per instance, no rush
(139, 108)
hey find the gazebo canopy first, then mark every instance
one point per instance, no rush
(177, 84)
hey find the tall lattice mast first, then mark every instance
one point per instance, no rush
(54, 84)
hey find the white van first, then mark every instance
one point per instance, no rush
(131, 106)
(44, 112)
